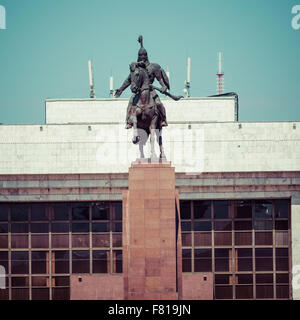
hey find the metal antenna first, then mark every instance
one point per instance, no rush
(220, 75)
(92, 87)
(187, 83)
(111, 86)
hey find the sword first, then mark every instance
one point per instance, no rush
(176, 98)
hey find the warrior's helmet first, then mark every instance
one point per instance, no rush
(143, 56)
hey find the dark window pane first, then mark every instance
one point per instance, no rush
(117, 240)
(4, 242)
(3, 255)
(281, 225)
(263, 225)
(244, 278)
(262, 278)
(19, 241)
(221, 209)
(223, 238)
(117, 226)
(244, 292)
(202, 239)
(282, 292)
(20, 281)
(60, 293)
(242, 209)
(186, 226)
(264, 264)
(185, 209)
(60, 227)
(20, 294)
(263, 209)
(101, 240)
(263, 238)
(117, 261)
(39, 212)
(264, 252)
(243, 238)
(39, 227)
(244, 259)
(40, 281)
(100, 211)
(39, 262)
(202, 209)
(223, 260)
(202, 265)
(19, 227)
(19, 212)
(40, 294)
(281, 208)
(186, 260)
(223, 279)
(19, 263)
(203, 253)
(282, 252)
(61, 281)
(100, 261)
(3, 228)
(80, 240)
(223, 292)
(186, 239)
(264, 292)
(116, 210)
(40, 241)
(80, 261)
(80, 227)
(222, 225)
(202, 226)
(61, 211)
(60, 240)
(3, 212)
(100, 227)
(282, 264)
(243, 225)
(80, 211)
(60, 262)
(282, 278)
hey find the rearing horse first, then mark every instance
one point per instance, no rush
(144, 114)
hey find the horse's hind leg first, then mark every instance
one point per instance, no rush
(153, 130)
(159, 140)
(136, 137)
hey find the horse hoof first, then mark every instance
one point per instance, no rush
(136, 139)
(163, 156)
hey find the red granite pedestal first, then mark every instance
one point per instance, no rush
(151, 234)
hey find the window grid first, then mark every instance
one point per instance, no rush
(262, 229)
(45, 275)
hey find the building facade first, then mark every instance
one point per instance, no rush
(62, 187)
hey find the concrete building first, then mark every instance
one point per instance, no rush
(62, 184)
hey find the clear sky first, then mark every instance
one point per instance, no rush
(45, 49)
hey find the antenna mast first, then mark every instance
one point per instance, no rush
(111, 86)
(187, 84)
(220, 76)
(92, 88)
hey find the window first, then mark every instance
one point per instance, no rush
(244, 243)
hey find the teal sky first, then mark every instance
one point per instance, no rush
(47, 44)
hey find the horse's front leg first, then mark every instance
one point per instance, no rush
(153, 130)
(159, 140)
(136, 137)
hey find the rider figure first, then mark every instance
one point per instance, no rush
(155, 72)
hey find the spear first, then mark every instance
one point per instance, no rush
(176, 98)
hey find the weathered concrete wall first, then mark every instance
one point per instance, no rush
(114, 110)
(107, 148)
(295, 225)
(97, 287)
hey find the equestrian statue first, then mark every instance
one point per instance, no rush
(145, 111)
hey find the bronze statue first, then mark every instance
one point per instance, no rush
(145, 112)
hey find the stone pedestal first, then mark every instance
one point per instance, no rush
(150, 233)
